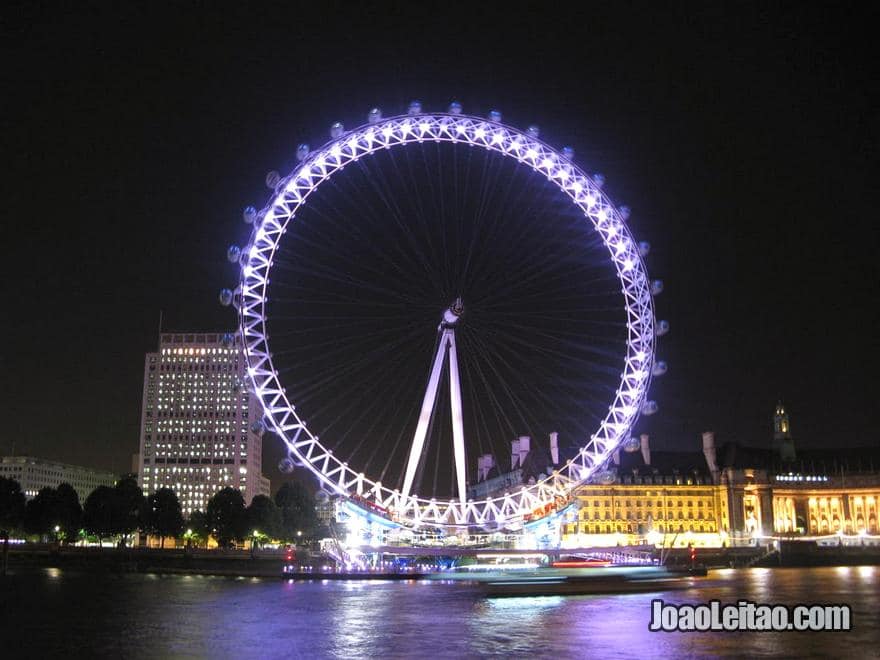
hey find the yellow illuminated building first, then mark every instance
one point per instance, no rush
(678, 511)
(827, 510)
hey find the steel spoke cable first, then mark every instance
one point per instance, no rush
(403, 221)
(362, 206)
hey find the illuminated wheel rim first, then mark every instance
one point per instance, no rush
(280, 412)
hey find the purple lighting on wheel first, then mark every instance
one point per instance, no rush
(585, 194)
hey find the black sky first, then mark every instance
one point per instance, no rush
(744, 138)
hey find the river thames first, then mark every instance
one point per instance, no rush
(53, 612)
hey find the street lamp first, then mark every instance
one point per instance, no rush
(255, 535)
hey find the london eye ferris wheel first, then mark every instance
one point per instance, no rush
(425, 287)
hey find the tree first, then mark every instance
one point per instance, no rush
(297, 511)
(68, 512)
(40, 512)
(163, 516)
(128, 505)
(264, 516)
(98, 512)
(198, 527)
(12, 507)
(226, 516)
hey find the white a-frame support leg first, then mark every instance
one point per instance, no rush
(446, 344)
(457, 419)
(418, 445)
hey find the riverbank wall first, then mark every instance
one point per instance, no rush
(271, 564)
(146, 560)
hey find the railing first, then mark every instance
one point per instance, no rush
(769, 552)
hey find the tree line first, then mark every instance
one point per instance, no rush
(117, 512)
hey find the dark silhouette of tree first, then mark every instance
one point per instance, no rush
(128, 505)
(162, 515)
(68, 512)
(226, 516)
(263, 515)
(12, 504)
(199, 527)
(297, 511)
(40, 516)
(98, 512)
(12, 508)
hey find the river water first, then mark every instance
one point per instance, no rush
(53, 612)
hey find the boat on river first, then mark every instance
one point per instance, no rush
(556, 583)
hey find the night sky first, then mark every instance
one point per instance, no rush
(744, 139)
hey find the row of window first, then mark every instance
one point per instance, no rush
(215, 444)
(195, 434)
(176, 460)
(175, 380)
(194, 350)
(634, 529)
(188, 368)
(187, 410)
(663, 480)
(619, 492)
(649, 503)
(630, 515)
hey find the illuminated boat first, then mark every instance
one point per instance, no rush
(606, 582)
(581, 563)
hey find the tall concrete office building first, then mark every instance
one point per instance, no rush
(199, 430)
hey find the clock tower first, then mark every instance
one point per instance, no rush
(782, 441)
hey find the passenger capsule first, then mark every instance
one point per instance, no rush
(337, 129)
(568, 152)
(249, 214)
(227, 340)
(662, 328)
(656, 287)
(272, 179)
(302, 152)
(455, 108)
(233, 253)
(644, 248)
(606, 477)
(286, 465)
(225, 297)
(534, 131)
(632, 445)
(650, 407)
(374, 115)
(415, 108)
(659, 368)
(494, 115)
(258, 427)
(599, 179)
(625, 212)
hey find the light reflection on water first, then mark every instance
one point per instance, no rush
(52, 612)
